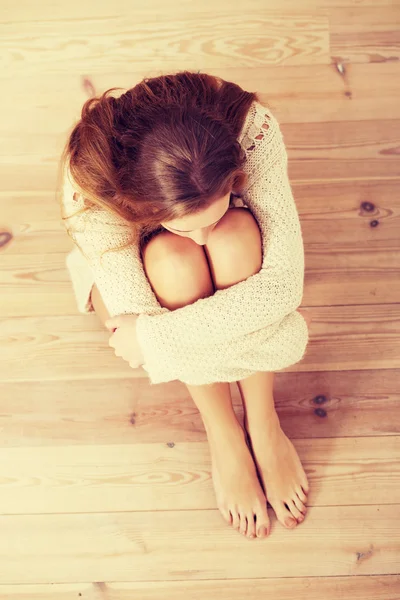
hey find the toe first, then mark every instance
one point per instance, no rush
(235, 518)
(243, 524)
(295, 511)
(226, 514)
(301, 494)
(285, 517)
(263, 523)
(305, 486)
(300, 505)
(251, 526)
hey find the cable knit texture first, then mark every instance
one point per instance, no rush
(250, 326)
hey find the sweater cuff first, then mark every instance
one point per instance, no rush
(157, 363)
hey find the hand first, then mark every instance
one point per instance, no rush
(124, 339)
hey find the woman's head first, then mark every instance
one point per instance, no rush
(198, 226)
(163, 154)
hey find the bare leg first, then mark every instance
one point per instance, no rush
(239, 496)
(238, 492)
(179, 274)
(235, 255)
(178, 271)
(283, 477)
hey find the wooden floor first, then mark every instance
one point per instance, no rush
(105, 485)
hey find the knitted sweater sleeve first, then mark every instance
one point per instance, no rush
(214, 338)
(262, 301)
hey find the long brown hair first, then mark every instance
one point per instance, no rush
(164, 149)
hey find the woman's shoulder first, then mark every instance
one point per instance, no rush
(261, 139)
(260, 125)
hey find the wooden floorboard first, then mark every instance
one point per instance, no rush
(357, 263)
(33, 218)
(301, 94)
(51, 348)
(341, 273)
(322, 404)
(140, 477)
(194, 544)
(124, 411)
(375, 587)
(366, 33)
(105, 481)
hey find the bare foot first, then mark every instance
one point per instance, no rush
(239, 495)
(281, 472)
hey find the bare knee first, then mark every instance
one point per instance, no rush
(235, 249)
(177, 270)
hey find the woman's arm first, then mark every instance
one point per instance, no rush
(119, 276)
(262, 300)
(195, 338)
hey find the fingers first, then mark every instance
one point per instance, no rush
(120, 320)
(134, 364)
(113, 323)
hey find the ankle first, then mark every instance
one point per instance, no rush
(267, 422)
(227, 429)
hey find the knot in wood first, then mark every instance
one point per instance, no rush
(368, 206)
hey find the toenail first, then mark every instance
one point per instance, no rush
(262, 531)
(290, 522)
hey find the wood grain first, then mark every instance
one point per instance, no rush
(375, 587)
(346, 207)
(350, 150)
(344, 274)
(350, 233)
(156, 477)
(105, 488)
(296, 94)
(76, 347)
(194, 544)
(127, 411)
(262, 37)
(365, 34)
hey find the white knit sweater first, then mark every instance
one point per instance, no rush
(250, 326)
